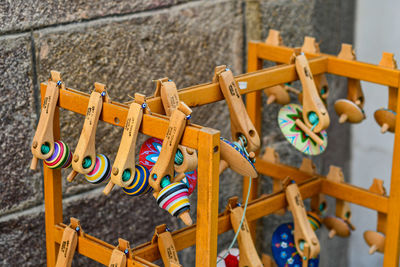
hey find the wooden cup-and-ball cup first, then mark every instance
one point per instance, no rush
(55, 154)
(375, 240)
(349, 111)
(386, 118)
(96, 168)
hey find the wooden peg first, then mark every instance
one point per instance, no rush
(241, 125)
(85, 151)
(165, 163)
(170, 100)
(303, 233)
(267, 261)
(166, 246)
(68, 243)
(101, 88)
(307, 166)
(248, 253)
(123, 170)
(120, 254)
(274, 38)
(44, 131)
(232, 203)
(312, 103)
(311, 46)
(354, 91)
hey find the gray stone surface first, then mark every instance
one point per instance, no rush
(23, 15)
(20, 187)
(127, 53)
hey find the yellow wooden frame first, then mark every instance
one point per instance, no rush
(204, 234)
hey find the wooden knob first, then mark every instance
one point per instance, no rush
(271, 99)
(332, 233)
(185, 217)
(384, 128)
(343, 118)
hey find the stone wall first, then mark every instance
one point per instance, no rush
(126, 45)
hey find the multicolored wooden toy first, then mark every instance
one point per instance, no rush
(350, 109)
(101, 171)
(164, 167)
(233, 156)
(173, 198)
(56, 154)
(148, 156)
(84, 158)
(241, 125)
(124, 164)
(140, 183)
(386, 117)
(61, 157)
(287, 118)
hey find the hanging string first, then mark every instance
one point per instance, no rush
(240, 225)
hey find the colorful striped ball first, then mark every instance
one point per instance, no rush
(174, 198)
(61, 157)
(140, 184)
(314, 220)
(101, 171)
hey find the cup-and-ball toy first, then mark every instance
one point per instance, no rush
(54, 153)
(95, 167)
(304, 126)
(228, 258)
(140, 184)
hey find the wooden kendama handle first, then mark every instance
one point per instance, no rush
(167, 249)
(67, 249)
(86, 148)
(308, 131)
(118, 258)
(34, 163)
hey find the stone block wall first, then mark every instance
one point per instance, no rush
(126, 45)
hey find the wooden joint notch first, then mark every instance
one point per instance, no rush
(69, 243)
(351, 108)
(306, 241)
(166, 246)
(164, 167)
(120, 254)
(315, 115)
(386, 117)
(123, 170)
(44, 135)
(168, 92)
(340, 224)
(241, 124)
(84, 158)
(311, 46)
(376, 239)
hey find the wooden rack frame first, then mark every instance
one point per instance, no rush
(209, 224)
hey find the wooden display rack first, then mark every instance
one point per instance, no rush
(206, 141)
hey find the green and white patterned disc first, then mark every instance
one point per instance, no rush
(286, 120)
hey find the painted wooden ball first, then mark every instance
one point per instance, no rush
(228, 258)
(149, 152)
(101, 171)
(61, 157)
(174, 198)
(140, 184)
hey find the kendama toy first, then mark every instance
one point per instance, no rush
(304, 127)
(228, 258)
(296, 243)
(278, 93)
(148, 156)
(54, 153)
(242, 128)
(311, 46)
(95, 167)
(120, 254)
(340, 224)
(162, 236)
(134, 179)
(351, 108)
(386, 117)
(69, 242)
(376, 239)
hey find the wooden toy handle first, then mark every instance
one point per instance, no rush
(118, 258)
(44, 131)
(86, 144)
(248, 254)
(167, 249)
(125, 159)
(241, 123)
(67, 249)
(311, 99)
(302, 228)
(164, 165)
